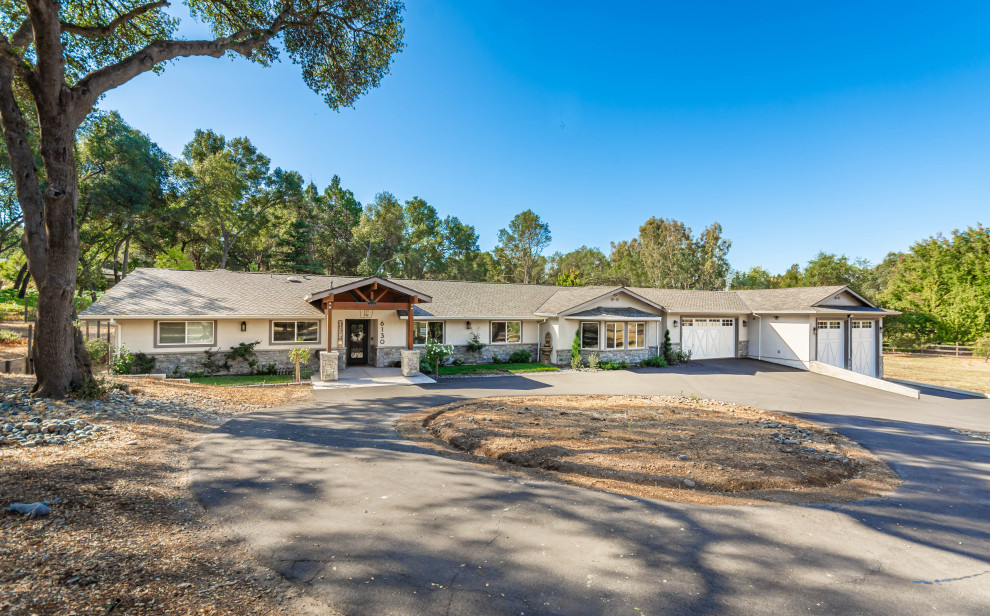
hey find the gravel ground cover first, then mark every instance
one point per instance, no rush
(126, 536)
(669, 448)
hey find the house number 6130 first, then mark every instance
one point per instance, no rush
(381, 336)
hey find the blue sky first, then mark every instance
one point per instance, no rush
(855, 128)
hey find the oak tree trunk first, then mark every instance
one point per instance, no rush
(60, 363)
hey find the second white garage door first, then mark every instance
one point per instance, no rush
(708, 338)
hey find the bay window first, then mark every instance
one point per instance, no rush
(589, 335)
(615, 335)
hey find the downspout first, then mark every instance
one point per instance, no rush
(759, 338)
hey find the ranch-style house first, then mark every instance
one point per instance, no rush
(176, 315)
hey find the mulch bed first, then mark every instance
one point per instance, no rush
(127, 536)
(668, 448)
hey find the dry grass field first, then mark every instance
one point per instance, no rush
(957, 372)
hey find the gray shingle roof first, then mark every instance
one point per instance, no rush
(675, 300)
(149, 292)
(793, 299)
(479, 300)
(219, 293)
(607, 312)
(565, 298)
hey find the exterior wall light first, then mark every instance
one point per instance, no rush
(469, 324)
(243, 326)
(675, 323)
(744, 323)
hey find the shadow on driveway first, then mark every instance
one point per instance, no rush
(333, 498)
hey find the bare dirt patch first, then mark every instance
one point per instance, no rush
(127, 536)
(675, 449)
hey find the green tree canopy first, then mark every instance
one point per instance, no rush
(58, 58)
(522, 245)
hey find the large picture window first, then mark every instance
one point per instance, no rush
(295, 331)
(589, 335)
(637, 335)
(185, 332)
(427, 331)
(506, 332)
(615, 335)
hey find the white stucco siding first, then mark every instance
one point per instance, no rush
(845, 298)
(783, 339)
(139, 335)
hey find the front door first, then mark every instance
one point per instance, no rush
(357, 342)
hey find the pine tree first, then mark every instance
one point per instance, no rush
(292, 253)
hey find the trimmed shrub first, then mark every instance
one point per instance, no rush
(143, 363)
(520, 357)
(654, 361)
(594, 361)
(613, 365)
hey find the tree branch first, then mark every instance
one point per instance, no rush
(86, 92)
(107, 30)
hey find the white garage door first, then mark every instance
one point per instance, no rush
(708, 338)
(831, 344)
(864, 347)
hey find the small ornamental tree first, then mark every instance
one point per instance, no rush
(435, 354)
(668, 348)
(576, 351)
(299, 355)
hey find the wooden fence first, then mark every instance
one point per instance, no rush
(935, 350)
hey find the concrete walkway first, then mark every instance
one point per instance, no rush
(363, 376)
(331, 497)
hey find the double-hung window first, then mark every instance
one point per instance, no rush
(295, 331)
(185, 332)
(589, 335)
(506, 332)
(615, 335)
(427, 331)
(637, 335)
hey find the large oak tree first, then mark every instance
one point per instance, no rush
(58, 59)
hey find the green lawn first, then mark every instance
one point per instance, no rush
(495, 369)
(254, 379)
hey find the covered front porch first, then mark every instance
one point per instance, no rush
(364, 329)
(367, 376)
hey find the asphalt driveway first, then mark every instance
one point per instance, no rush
(330, 496)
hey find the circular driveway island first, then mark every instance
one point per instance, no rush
(330, 496)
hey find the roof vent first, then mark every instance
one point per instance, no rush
(293, 279)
